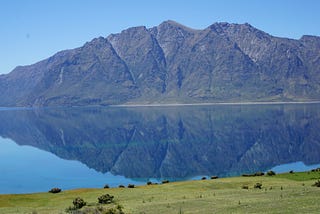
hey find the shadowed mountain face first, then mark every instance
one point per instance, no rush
(171, 63)
(176, 142)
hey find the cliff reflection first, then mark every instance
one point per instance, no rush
(175, 142)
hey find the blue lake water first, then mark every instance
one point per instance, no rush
(90, 147)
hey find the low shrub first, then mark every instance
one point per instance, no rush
(131, 186)
(106, 186)
(113, 211)
(165, 181)
(253, 175)
(258, 186)
(105, 199)
(203, 178)
(271, 173)
(149, 183)
(78, 203)
(245, 187)
(97, 210)
(214, 177)
(316, 184)
(70, 209)
(55, 190)
(247, 175)
(121, 186)
(259, 174)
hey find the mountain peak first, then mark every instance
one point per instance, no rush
(171, 23)
(221, 26)
(310, 38)
(171, 63)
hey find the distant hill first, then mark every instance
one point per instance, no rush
(171, 63)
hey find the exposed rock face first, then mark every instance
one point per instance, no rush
(171, 63)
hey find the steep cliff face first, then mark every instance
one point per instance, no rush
(288, 65)
(171, 63)
(92, 74)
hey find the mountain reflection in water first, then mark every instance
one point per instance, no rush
(172, 142)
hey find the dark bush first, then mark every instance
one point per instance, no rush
(316, 184)
(149, 183)
(165, 181)
(131, 186)
(247, 175)
(271, 173)
(253, 175)
(214, 177)
(203, 178)
(245, 187)
(258, 186)
(258, 174)
(106, 186)
(55, 190)
(121, 186)
(78, 203)
(315, 170)
(291, 171)
(105, 199)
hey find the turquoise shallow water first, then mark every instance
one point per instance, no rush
(26, 169)
(90, 147)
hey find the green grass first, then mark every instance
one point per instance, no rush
(300, 176)
(283, 193)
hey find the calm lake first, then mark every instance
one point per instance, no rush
(90, 147)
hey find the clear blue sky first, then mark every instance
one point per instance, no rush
(32, 30)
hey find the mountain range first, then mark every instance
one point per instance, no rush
(171, 63)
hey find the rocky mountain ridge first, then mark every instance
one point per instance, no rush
(171, 63)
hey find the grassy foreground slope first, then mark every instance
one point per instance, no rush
(285, 193)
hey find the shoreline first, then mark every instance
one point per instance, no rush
(166, 104)
(216, 104)
(193, 180)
